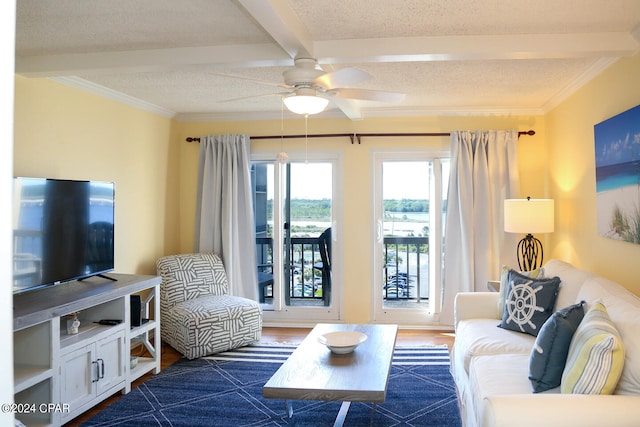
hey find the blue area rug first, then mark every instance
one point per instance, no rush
(226, 390)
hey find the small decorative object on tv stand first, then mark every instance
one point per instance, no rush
(73, 324)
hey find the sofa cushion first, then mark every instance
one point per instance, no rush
(596, 355)
(530, 302)
(538, 273)
(599, 288)
(479, 337)
(571, 284)
(623, 308)
(625, 312)
(499, 375)
(550, 351)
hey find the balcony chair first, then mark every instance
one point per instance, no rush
(265, 280)
(198, 316)
(324, 246)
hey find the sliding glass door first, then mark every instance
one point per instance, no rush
(409, 207)
(296, 238)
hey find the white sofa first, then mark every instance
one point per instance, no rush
(490, 365)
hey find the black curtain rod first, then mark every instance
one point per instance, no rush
(354, 136)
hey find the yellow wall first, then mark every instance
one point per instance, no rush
(357, 174)
(63, 132)
(570, 143)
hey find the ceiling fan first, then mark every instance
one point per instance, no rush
(309, 89)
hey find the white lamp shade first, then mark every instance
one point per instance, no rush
(305, 104)
(528, 216)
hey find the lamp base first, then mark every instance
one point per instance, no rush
(529, 248)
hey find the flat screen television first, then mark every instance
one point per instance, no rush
(63, 230)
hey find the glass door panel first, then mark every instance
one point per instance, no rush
(405, 224)
(409, 192)
(293, 213)
(263, 205)
(308, 233)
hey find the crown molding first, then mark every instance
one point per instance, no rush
(105, 92)
(598, 67)
(371, 113)
(453, 112)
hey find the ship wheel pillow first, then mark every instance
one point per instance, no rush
(529, 303)
(538, 273)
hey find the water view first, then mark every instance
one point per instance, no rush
(405, 220)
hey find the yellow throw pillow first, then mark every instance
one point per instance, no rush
(596, 356)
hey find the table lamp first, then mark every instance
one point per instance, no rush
(528, 216)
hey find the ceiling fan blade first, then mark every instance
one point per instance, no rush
(368, 95)
(348, 107)
(252, 79)
(256, 96)
(342, 78)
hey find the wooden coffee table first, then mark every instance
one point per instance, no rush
(313, 372)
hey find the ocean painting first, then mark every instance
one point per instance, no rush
(617, 149)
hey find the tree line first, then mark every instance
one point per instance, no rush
(320, 209)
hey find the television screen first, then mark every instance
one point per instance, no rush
(62, 230)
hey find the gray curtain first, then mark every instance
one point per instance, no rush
(484, 172)
(224, 212)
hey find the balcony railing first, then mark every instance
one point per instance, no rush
(305, 272)
(405, 275)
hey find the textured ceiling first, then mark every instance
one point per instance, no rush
(447, 56)
(341, 20)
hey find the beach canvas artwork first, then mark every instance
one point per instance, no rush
(617, 146)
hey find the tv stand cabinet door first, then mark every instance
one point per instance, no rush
(78, 377)
(111, 360)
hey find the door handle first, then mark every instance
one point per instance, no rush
(97, 378)
(101, 369)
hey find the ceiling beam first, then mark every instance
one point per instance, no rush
(408, 49)
(151, 60)
(278, 19)
(488, 47)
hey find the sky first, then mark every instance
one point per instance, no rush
(402, 180)
(405, 180)
(617, 140)
(311, 180)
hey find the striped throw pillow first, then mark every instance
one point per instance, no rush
(596, 356)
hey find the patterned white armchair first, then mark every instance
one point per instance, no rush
(198, 316)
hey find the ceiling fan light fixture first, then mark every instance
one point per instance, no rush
(305, 104)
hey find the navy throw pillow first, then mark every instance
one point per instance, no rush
(551, 349)
(530, 302)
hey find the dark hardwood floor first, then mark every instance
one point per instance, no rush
(281, 335)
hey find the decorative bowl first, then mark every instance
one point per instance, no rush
(342, 342)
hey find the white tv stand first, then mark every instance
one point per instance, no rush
(59, 376)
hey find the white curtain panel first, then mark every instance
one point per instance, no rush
(484, 172)
(224, 211)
